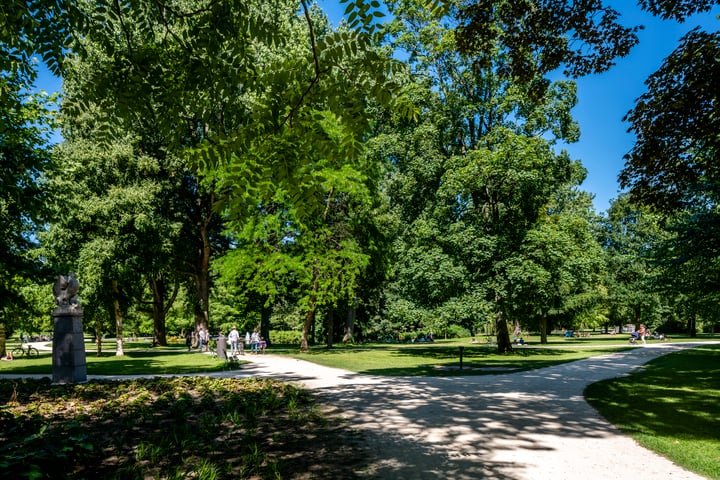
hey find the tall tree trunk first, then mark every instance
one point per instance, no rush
(200, 317)
(161, 306)
(202, 271)
(349, 333)
(543, 329)
(503, 334)
(265, 314)
(202, 292)
(98, 335)
(504, 344)
(330, 327)
(118, 314)
(3, 340)
(310, 316)
(692, 325)
(157, 284)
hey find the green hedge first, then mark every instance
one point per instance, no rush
(285, 337)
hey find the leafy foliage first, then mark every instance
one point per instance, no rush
(170, 428)
(672, 164)
(630, 236)
(557, 277)
(182, 119)
(677, 9)
(44, 27)
(539, 36)
(471, 179)
(25, 124)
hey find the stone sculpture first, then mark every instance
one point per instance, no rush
(65, 290)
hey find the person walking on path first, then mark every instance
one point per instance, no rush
(254, 341)
(233, 338)
(205, 335)
(642, 331)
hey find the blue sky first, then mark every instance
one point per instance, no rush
(603, 100)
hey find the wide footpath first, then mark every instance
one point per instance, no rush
(529, 425)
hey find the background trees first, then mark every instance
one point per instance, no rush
(672, 168)
(472, 179)
(557, 279)
(400, 177)
(631, 235)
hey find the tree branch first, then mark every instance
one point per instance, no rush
(316, 62)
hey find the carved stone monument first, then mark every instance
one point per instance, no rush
(69, 365)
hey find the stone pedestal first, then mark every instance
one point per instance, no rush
(69, 365)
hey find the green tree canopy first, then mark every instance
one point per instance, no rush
(539, 36)
(673, 162)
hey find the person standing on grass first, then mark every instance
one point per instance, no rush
(233, 337)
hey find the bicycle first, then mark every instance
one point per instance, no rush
(30, 351)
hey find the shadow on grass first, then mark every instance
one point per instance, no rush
(440, 360)
(134, 362)
(156, 362)
(445, 361)
(677, 395)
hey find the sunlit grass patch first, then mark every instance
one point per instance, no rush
(442, 359)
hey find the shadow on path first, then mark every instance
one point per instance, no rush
(527, 425)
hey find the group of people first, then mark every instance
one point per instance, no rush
(639, 334)
(257, 343)
(199, 339)
(418, 338)
(254, 341)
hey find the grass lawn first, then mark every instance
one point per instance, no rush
(671, 407)
(139, 359)
(188, 427)
(442, 359)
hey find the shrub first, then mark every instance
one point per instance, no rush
(286, 337)
(456, 331)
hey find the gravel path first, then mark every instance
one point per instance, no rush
(530, 425)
